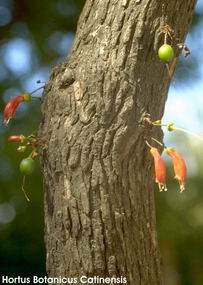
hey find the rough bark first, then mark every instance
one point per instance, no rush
(98, 174)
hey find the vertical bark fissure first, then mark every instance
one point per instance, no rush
(99, 204)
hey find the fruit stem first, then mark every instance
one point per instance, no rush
(165, 38)
(22, 188)
(32, 153)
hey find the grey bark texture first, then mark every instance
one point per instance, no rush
(98, 173)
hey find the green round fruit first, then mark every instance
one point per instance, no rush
(27, 166)
(166, 53)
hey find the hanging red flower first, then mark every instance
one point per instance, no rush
(160, 169)
(179, 166)
(12, 105)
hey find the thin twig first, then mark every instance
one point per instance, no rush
(188, 132)
(37, 89)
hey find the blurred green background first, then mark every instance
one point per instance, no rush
(34, 37)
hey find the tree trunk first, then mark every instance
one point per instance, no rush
(98, 173)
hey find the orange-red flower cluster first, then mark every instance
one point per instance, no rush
(179, 167)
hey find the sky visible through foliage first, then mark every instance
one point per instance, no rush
(34, 37)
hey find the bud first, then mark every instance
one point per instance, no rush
(179, 167)
(27, 97)
(17, 138)
(170, 127)
(21, 148)
(160, 169)
(12, 105)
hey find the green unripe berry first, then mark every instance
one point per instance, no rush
(27, 166)
(166, 53)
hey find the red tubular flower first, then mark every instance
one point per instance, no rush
(12, 105)
(179, 167)
(17, 138)
(160, 169)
